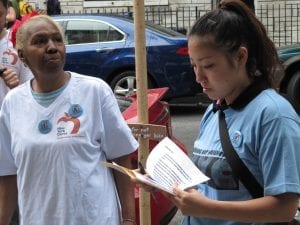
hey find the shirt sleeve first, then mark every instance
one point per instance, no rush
(280, 157)
(118, 139)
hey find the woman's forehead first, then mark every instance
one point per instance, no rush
(41, 23)
(42, 27)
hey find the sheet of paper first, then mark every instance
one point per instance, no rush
(119, 168)
(149, 181)
(168, 165)
(134, 174)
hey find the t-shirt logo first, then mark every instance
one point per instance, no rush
(67, 125)
(9, 57)
(236, 139)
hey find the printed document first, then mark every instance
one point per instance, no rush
(166, 166)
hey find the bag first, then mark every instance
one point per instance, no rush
(25, 8)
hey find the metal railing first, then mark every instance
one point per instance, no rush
(282, 21)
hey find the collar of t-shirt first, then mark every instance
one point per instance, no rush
(45, 99)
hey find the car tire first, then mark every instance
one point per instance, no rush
(293, 91)
(124, 84)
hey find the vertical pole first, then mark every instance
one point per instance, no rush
(142, 100)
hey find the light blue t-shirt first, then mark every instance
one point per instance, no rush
(265, 134)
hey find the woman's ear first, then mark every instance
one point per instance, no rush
(21, 56)
(20, 53)
(242, 55)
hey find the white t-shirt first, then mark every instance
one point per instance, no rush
(60, 178)
(9, 58)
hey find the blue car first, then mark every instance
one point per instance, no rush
(103, 46)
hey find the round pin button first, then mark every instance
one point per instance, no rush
(75, 110)
(237, 138)
(45, 126)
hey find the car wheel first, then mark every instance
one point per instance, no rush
(124, 84)
(293, 91)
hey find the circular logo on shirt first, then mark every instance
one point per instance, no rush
(236, 139)
(45, 126)
(75, 110)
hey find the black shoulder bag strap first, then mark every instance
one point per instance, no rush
(239, 169)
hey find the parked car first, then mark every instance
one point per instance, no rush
(103, 46)
(162, 210)
(290, 84)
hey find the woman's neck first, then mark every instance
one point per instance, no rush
(42, 86)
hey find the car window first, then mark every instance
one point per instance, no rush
(163, 30)
(82, 31)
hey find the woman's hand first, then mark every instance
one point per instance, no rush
(189, 201)
(267, 209)
(152, 190)
(10, 78)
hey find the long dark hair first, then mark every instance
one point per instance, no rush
(233, 25)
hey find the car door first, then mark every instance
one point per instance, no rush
(89, 44)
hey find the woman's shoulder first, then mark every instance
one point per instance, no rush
(88, 80)
(274, 103)
(88, 83)
(19, 93)
(269, 107)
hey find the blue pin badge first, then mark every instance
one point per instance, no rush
(75, 110)
(45, 126)
(237, 138)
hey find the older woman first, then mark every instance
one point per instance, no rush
(55, 130)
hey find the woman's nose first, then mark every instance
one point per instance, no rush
(52, 45)
(199, 75)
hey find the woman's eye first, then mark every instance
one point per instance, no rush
(58, 38)
(207, 66)
(40, 41)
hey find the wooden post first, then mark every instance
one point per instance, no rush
(142, 101)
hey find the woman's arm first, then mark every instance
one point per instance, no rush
(126, 191)
(8, 198)
(281, 208)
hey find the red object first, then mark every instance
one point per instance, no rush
(13, 30)
(159, 114)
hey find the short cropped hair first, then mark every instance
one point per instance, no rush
(23, 32)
